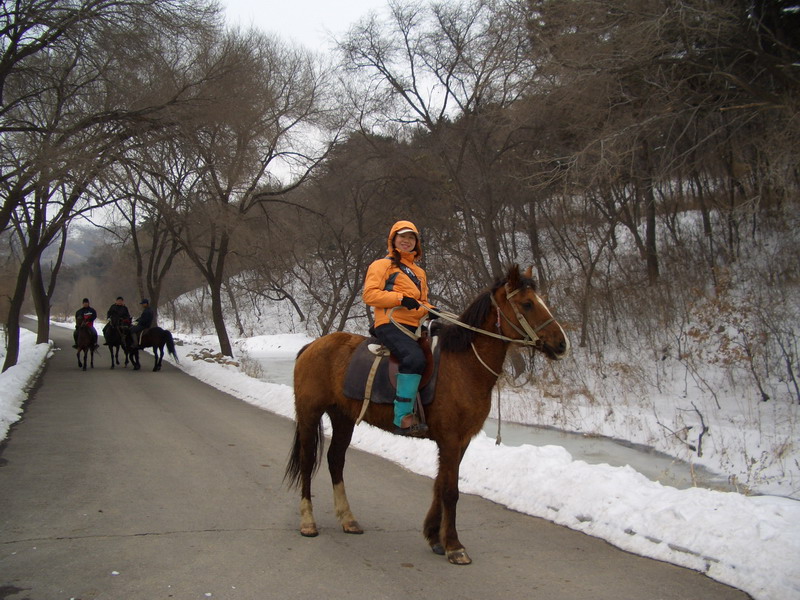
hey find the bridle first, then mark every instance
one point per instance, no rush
(529, 335)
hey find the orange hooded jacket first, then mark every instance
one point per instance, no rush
(386, 284)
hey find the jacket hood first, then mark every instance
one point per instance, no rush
(417, 252)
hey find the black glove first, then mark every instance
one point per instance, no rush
(432, 316)
(409, 303)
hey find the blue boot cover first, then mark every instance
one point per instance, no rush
(401, 409)
(407, 384)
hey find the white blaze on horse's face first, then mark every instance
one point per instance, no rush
(552, 323)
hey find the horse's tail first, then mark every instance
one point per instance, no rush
(171, 346)
(293, 474)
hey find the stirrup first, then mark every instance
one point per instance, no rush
(415, 429)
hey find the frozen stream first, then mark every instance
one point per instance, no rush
(590, 449)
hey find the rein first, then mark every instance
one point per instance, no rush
(528, 333)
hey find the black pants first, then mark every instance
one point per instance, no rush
(135, 332)
(405, 348)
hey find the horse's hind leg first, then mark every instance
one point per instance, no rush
(308, 441)
(303, 459)
(340, 441)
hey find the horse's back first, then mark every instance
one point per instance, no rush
(321, 365)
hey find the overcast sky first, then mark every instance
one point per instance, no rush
(307, 22)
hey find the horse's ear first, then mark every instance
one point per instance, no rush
(528, 274)
(513, 277)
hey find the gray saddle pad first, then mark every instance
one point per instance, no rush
(383, 388)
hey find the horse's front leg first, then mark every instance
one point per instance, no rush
(340, 441)
(440, 523)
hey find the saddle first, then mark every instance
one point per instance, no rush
(372, 372)
(142, 334)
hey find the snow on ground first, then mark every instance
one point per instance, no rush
(17, 381)
(749, 542)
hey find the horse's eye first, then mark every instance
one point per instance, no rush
(527, 305)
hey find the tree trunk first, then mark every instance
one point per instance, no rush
(651, 251)
(232, 300)
(492, 247)
(41, 302)
(533, 237)
(218, 318)
(14, 311)
(708, 232)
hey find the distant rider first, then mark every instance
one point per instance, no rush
(88, 314)
(115, 314)
(144, 321)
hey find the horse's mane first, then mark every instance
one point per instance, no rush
(454, 338)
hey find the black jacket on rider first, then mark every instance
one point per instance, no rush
(85, 310)
(146, 318)
(79, 319)
(118, 312)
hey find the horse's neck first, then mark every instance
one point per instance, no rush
(492, 352)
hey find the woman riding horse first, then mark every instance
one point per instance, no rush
(397, 282)
(473, 350)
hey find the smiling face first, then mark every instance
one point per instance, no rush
(405, 242)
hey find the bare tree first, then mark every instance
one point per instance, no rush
(453, 69)
(72, 103)
(258, 115)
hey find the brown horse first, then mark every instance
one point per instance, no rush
(85, 343)
(472, 355)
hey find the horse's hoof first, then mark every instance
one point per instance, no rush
(309, 531)
(352, 527)
(459, 557)
(437, 549)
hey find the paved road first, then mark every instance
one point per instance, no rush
(128, 485)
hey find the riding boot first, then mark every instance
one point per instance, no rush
(405, 421)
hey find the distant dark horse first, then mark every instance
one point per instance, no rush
(155, 338)
(85, 342)
(472, 356)
(115, 339)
